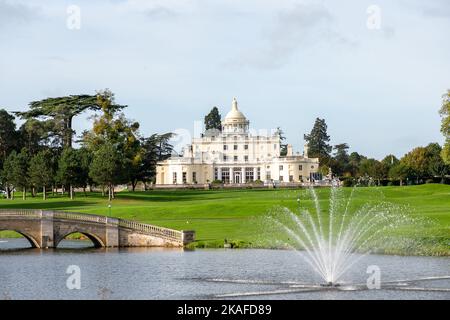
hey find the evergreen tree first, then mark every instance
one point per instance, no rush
(283, 146)
(59, 113)
(318, 141)
(340, 163)
(15, 172)
(70, 170)
(41, 171)
(105, 168)
(213, 120)
(8, 135)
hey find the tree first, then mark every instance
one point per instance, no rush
(417, 161)
(105, 167)
(41, 170)
(15, 172)
(445, 126)
(8, 141)
(283, 146)
(387, 163)
(70, 169)
(60, 111)
(354, 163)
(8, 135)
(213, 120)
(111, 127)
(399, 171)
(340, 163)
(436, 164)
(85, 158)
(155, 148)
(371, 168)
(318, 141)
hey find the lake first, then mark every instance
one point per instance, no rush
(157, 273)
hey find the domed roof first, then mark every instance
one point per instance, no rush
(235, 114)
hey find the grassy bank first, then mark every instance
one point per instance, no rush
(235, 215)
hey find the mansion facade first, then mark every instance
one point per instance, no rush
(234, 156)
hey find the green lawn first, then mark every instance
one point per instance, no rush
(235, 214)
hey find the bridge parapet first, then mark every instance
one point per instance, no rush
(79, 217)
(53, 226)
(169, 234)
(21, 213)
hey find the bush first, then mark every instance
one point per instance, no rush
(347, 181)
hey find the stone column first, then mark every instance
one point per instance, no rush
(231, 175)
(243, 175)
(47, 232)
(219, 173)
(255, 173)
(112, 232)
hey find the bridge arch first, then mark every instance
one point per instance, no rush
(33, 242)
(96, 240)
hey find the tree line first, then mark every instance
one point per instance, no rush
(422, 164)
(39, 155)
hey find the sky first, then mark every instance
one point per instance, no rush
(374, 70)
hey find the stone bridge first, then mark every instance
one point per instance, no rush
(45, 229)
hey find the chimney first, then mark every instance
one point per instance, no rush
(305, 151)
(290, 153)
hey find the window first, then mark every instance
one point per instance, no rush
(258, 174)
(194, 177)
(281, 178)
(246, 158)
(235, 147)
(281, 168)
(225, 147)
(249, 174)
(235, 158)
(291, 178)
(216, 174)
(300, 178)
(225, 158)
(246, 147)
(184, 177)
(174, 178)
(312, 167)
(268, 177)
(226, 175)
(300, 167)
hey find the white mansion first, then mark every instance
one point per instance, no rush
(234, 156)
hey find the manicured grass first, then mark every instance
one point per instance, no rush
(235, 215)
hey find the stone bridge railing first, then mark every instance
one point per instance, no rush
(182, 237)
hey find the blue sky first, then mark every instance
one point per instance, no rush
(286, 61)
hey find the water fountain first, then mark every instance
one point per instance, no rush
(332, 242)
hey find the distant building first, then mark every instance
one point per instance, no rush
(234, 156)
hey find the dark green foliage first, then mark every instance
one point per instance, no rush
(41, 170)
(318, 141)
(213, 120)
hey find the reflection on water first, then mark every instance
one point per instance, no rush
(161, 273)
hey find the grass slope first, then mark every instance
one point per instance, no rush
(216, 215)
